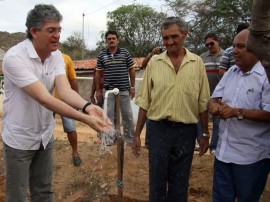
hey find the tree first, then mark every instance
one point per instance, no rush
(74, 46)
(138, 27)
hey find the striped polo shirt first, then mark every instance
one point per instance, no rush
(212, 63)
(116, 68)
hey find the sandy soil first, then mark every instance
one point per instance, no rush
(95, 180)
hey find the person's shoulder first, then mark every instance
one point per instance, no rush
(204, 54)
(102, 52)
(221, 51)
(19, 49)
(230, 49)
(192, 56)
(66, 57)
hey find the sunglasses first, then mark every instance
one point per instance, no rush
(209, 44)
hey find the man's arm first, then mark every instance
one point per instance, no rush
(156, 50)
(136, 144)
(204, 141)
(132, 82)
(93, 90)
(97, 84)
(227, 112)
(95, 118)
(74, 85)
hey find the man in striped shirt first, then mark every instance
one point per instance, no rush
(119, 72)
(211, 60)
(173, 97)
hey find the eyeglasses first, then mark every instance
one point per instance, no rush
(209, 44)
(52, 30)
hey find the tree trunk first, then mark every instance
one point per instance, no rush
(259, 37)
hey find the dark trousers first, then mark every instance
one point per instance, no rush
(244, 182)
(170, 156)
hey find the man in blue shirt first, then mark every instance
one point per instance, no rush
(242, 101)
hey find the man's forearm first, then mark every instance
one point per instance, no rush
(132, 77)
(141, 121)
(204, 121)
(98, 80)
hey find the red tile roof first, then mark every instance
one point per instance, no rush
(91, 64)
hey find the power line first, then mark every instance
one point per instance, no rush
(102, 8)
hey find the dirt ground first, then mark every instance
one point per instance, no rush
(95, 180)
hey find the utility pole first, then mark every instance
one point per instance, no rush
(83, 36)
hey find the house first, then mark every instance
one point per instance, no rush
(87, 66)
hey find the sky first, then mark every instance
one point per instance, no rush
(13, 15)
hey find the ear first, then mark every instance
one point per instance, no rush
(185, 33)
(33, 32)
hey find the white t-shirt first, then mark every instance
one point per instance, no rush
(26, 123)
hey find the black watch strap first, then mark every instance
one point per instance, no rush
(84, 107)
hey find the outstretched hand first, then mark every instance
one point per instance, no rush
(98, 120)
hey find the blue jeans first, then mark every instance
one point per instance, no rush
(170, 156)
(214, 138)
(29, 167)
(126, 113)
(68, 124)
(244, 182)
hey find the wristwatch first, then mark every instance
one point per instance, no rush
(240, 114)
(205, 135)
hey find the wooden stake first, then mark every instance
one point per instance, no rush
(120, 150)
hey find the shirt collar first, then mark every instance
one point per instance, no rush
(257, 68)
(32, 51)
(189, 56)
(219, 53)
(109, 53)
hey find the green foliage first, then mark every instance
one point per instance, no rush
(138, 27)
(74, 46)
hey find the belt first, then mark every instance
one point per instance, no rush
(171, 123)
(213, 70)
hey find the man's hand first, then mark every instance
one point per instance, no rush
(204, 145)
(132, 92)
(226, 111)
(136, 146)
(93, 100)
(213, 107)
(99, 121)
(99, 96)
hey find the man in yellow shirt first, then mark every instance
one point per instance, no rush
(173, 96)
(69, 124)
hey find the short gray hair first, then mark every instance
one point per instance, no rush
(174, 20)
(39, 15)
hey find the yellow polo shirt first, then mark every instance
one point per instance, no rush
(178, 97)
(70, 71)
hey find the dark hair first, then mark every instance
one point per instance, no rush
(174, 20)
(241, 26)
(39, 15)
(112, 32)
(211, 35)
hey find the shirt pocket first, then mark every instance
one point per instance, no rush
(253, 99)
(192, 85)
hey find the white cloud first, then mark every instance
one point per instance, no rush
(13, 15)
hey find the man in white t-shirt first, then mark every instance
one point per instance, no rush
(31, 70)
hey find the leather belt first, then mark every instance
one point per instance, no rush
(171, 123)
